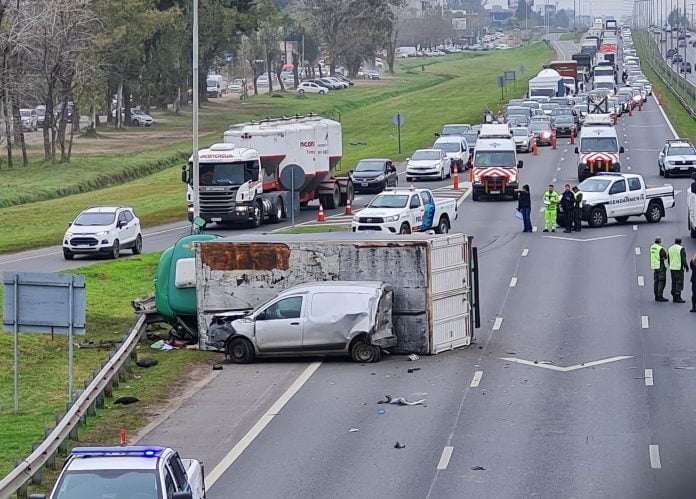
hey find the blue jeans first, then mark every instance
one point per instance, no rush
(526, 212)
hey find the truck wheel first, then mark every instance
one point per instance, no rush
(654, 213)
(666, 173)
(621, 220)
(443, 226)
(279, 212)
(258, 215)
(598, 217)
(405, 229)
(475, 196)
(240, 350)
(363, 353)
(333, 199)
(349, 194)
(693, 233)
(68, 255)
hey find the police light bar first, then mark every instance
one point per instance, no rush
(603, 174)
(135, 451)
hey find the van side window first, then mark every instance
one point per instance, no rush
(633, 184)
(179, 472)
(169, 485)
(287, 308)
(618, 187)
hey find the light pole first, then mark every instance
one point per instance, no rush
(195, 172)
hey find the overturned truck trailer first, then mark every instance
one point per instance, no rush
(434, 279)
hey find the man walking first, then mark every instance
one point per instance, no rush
(677, 265)
(524, 206)
(577, 225)
(550, 207)
(658, 257)
(568, 205)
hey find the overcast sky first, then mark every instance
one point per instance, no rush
(597, 7)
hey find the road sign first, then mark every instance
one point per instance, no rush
(398, 119)
(522, 69)
(509, 75)
(293, 178)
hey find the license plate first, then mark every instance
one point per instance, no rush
(364, 184)
(495, 192)
(216, 219)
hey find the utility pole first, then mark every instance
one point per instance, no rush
(195, 172)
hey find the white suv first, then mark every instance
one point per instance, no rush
(103, 230)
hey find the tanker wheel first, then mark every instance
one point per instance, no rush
(333, 199)
(349, 194)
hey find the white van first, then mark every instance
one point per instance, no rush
(598, 149)
(215, 85)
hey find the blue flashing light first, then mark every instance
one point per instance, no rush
(150, 451)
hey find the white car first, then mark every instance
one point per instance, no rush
(237, 85)
(30, 120)
(141, 118)
(403, 211)
(691, 203)
(310, 87)
(427, 163)
(103, 230)
(456, 149)
(678, 156)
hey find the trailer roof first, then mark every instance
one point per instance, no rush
(347, 237)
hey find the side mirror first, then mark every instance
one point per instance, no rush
(408, 159)
(69, 224)
(182, 495)
(520, 164)
(184, 176)
(621, 150)
(577, 151)
(437, 134)
(121, 224)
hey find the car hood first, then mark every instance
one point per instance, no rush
(687, 157)
(379, 212)
(423, 163)
(357, 174)
(88, 229)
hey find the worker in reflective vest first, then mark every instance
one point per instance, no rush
(577, 225)
(677, 265)
(658, 257)
(550, 209)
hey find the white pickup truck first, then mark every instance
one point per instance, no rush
(623, 195)
(402, 211)
(132, 472)
(691, 203)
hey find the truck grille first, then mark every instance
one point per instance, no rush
(371, 220)
(217, 202)
(83, 241)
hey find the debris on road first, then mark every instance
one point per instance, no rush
(400, 401)
(126, 400)
(478, 468)
(146, 362)
(397, 445)
(353, 430)
(413, 356)
(413, 369)
(380, 411)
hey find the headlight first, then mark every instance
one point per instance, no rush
(380, 178)
(547, 134)
(102, 233)
(68, 234)
(240, 208)
(395, 218)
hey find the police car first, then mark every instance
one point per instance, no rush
(623, 195)
(678, 156)
(403, 211)
(130, 472)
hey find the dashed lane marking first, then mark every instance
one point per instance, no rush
(635, 227)
(476, 379)
(497, 323)
(644, 322)
(513, 282)
(525, 252)
(655, 457)
(637, 250)
(649, 377)
(534, 229)
(445, 457)
(641, 281)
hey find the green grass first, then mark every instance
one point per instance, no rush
(571, 37)
(311, 229)
(451, 89)
(43, 365)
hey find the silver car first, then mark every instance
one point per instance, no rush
(317, 318)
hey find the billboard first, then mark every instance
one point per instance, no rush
(459, 23)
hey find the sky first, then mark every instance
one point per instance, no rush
(598, 7)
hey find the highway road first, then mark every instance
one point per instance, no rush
(578, 383)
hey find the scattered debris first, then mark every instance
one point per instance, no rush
(217, 367)
(380, 411)
(353, 430)
(126, 400)
(414, 369)
(97, 344)
(147, 362)
(413, 356)
(478, 468)
(400, 401)
(358, 143)
(397, 445)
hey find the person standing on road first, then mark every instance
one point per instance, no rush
(568, 205)
(692, 264)
(658, 259)
(577, 220)
(677, 266)
(550, 208)
(524, 206)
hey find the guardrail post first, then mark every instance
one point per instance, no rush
(38, 475)
(22, 491)
(108, 390)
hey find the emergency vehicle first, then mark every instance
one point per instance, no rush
(495, 170)
(598, 149)
(691, 203)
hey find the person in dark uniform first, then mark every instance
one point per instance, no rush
(692, 264)
(677, 265)
(658, 264)
(568, 206)
(524, 206)
(577, 225)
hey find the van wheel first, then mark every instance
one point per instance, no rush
(654, 213)
(138, 245)
(300, 91)
(598, 217)
(240, 350)
(363, 353)
(405, 229)
(474, 196)
(443, 226)
(68, 255)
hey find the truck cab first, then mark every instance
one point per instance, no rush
(131, 472)
(495, 165)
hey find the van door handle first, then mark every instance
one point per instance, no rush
(294, 323)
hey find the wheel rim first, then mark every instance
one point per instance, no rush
(116, 250)
(597, 218)
(654, 213)
(364, 352)
(139, 244)
(238, 350)
(257, 215)
(443, 227)
(279, 211)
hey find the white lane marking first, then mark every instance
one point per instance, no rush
(641, 281)
(445, 458)
(541, 210)
(557, 169)
(628, 167)
(637, 250)
(513, 282)
(497, 323)
(585, 240)
(649, 377)
(476, 379)
(562, 159)
(534, 229)
(644, 322)
(255, 430)
(525, 252)
(628, 157)
(655, 451)
(635, 227)
(554, 179)
(569, 368)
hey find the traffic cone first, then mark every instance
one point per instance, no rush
(124, 438)
(535, 149)
(554, 145)
(320, 216)
(349, 209)
(455, 178)
(572, 136)
(659, 99)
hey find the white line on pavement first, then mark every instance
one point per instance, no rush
(525, 252)
(513, 282)
(641, 281)
(637, 250)
(554, 179)
(559, 168)
(644, 322)
(255, 430)
(669, 123)
(648, 377)
(628, 167)
(541, 210)
(534, 229)
(476, 379)
(655, 454)
(445, 458)
(497, 323)
(635, 227)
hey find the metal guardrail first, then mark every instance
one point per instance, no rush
(88, 400)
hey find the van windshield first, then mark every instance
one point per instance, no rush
(485, 159)
(599, 144)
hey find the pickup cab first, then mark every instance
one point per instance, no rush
(403, 211)
(623, 195)
(130, 472)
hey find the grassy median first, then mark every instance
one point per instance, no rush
(451, 89)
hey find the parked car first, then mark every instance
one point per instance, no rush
(372, 74)
(311, 88)
(685, 67)
(677, 58)
(30, 120)
(103, 230)
(318, 318)
(236, 85)
(374, 174)
(427, 163)
(58, 111)
(523, 138)
(339, 83)
(344, 79)
(141, 118)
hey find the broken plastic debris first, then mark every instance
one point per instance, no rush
(126, 400)
(477, 468)
(400, 401)
(413, 356)
(397, 445)
(413, 369)
(380, 411)
(353, 430)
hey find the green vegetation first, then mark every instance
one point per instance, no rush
(311, 229)
(43, 365)
(571, 36)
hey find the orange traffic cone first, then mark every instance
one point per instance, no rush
(572, 136)
(659, 99)
(320, 216)
(640, 105)
(554, 145)
(535, 149)
(124, 438)
(349, 210)
(455, 178)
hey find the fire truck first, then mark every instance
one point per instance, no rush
(495, 168)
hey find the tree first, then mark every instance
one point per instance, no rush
(522, 12)
(561, 19)
(512, 23)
